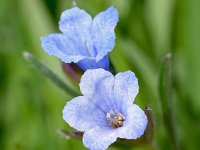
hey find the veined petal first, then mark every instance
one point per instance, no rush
(75, 20)
(135, 123)
(83, 115)
(103, 31)
(97, 85)
(99, 138)
(126, 86)
(68, 49)
(96, 82)
(77, 23)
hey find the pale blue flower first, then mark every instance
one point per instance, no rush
(106, 111)
(83, 41)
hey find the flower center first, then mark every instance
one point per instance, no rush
(116, 120)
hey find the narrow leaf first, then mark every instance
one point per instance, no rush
(48, 73)
(166, 96)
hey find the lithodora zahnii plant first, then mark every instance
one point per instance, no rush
(106, 111)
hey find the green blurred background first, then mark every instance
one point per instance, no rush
(31, 105)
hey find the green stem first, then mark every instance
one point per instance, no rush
(166, 95)
(48, 73)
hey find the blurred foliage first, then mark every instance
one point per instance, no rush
(31, 105)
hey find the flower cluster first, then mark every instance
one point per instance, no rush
(106, 111)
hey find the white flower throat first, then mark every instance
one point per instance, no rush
(116, 120)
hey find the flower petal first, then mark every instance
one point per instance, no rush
(75, 20)
(135, 123)
(103, 31)
(97, 85)
(82, 115)
(92, 64)
(96, 82)
(126, 86)
(63, 47)
(99, 138)
(77, 23)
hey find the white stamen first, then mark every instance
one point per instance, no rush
(108, 116)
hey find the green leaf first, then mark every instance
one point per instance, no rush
(166, 97)
(48, 73)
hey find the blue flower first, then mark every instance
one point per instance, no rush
(83, 41)
(106, 111)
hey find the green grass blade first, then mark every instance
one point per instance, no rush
(166, 95)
